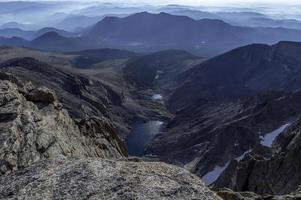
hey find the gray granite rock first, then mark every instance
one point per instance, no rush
(30, 132)
(103, 179)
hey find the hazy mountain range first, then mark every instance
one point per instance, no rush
(146, 32)
(57, 13)
(97, 97)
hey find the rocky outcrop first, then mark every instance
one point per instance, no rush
(45, 154)
(210, 134)
(103, 179)
(275, 175)
(81, 96)
(33, 126)
(86, 96)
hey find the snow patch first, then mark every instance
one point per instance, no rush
(239, 158)
(157, 97)
(212, 176)
(268, 139)
(158, 74)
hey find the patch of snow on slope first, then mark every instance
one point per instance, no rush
(210, 177)
(239, 158)
(268, 139)
(157, 97)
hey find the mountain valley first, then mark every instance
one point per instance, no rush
(111, 101)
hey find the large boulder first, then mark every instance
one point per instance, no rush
(103, 179)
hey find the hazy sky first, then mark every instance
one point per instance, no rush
(195, 2)
(219, 2)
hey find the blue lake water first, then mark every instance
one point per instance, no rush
(141, 135)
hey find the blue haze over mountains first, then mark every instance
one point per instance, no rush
(214, 89)
(82, 25)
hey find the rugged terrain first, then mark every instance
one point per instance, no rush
(274, 173)
(34, 126)
(222, 131)
(212, 121)
(83, 96)
(179, 88)
(241, 72)
(228, 105)
(46, 154)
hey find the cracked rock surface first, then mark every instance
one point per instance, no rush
(103, 179)
(33, 126)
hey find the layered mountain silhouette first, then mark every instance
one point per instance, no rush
(159, 31)
(30, 35)
(13, 41)
(147, 32)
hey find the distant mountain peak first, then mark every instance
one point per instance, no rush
(51, 34)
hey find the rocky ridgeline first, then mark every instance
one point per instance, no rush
(34, 126)
(264, 174)
(45, 154)
(216, 133)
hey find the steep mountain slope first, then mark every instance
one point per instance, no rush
(80, 95)
(278, 173)
(34, 127)
(243, 71)
(227, 105)
(45, 154)
(205, 136)
(161, 31)
(163, 66)
(86, 95)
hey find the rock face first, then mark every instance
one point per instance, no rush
(210, 134)
(45, 154)
(103, 179)
(33, 126)
(241, 72)
(227, 103)
(276, 175)
(82, 96)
